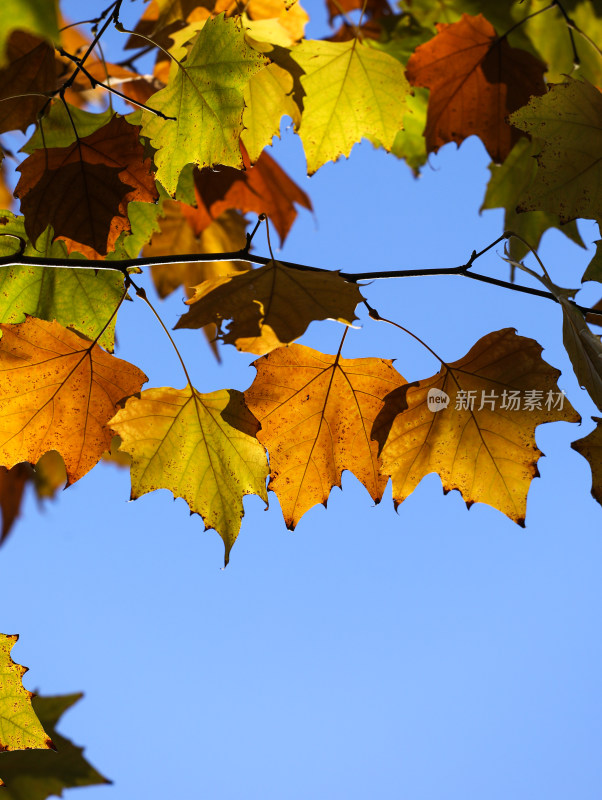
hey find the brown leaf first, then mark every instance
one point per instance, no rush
(316, 413)
(12, 486)
(272, 305)
(487, 451)
(263, 188)
(30, 70)
(57, 392)
(590, 447)
(371, 8)
(476, 79)
(83, 190)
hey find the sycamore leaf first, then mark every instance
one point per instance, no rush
(264, 189)
(20, 729)
(351, 91)
(508, 185)
(205, 94)
(590, 447)
(58, 392)
(277, 22)
(373, 8)
(316, 413)
(144, 222)
(477, 430)
(226, 234)
(584, 349)
(202, 447)
(272, 305)
(56, 130)
(38, 774)
(12, 486)
(594, 268)
(568, 122)
(36, 16)
(83, 190)
(77, 298)
(30, 71)
(476, 79)
(268, 97)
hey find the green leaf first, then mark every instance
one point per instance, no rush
(206, 95)
(77, 298)
(144, 219)
(568, 122)
(509, 183)
(38, 774)
(35, 16)
(20, 729)
(56, 130)
(351, 91)
(202, 447)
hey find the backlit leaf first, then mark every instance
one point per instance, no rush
(205, 94)
(567, 121)
(202, 447)
(316, 413)
(351, 91)
(476, 79)
(272, 305)
(39, 774)
(487, 452)
(35, 16)
(83, 190)
(58, 392)
(30, 71)
(20, 729)
(12, 486)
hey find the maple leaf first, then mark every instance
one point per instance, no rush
(277, 22)
(83, 190)
(56, 130)
(58, 392)
(590, 447)
(316, 413)
(351, 91)
(20, 729)
(373, 8)
(226, 234)
(36, 16)
(263, 188)
(567, 121)
(508, 185)
(202, 447)
(38, 774)
(77, 298)
(272, 305)
(487, 452)
(12, 486)
(29, 73)
(268, 97)
(476, 79)
(204, 93)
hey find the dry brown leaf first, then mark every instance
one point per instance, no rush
(476, 79)
(272, 305)
(12, 486)
(57, 392)
(488, 452)
(83, 190)
(590, 447)
(30, 71)
(316, 413)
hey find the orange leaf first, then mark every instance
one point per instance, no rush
(316, 413)
(473, 424)
(57, 392)
(83, 190)
(263, 188)
(30, 70)
(476, 79)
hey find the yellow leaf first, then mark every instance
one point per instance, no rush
(202, 447)
(470, 431)
(316, 413)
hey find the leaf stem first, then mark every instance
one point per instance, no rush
(140, 292)
(375, 315)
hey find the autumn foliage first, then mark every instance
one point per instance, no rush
(170, 183)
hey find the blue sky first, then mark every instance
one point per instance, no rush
(431, 654)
